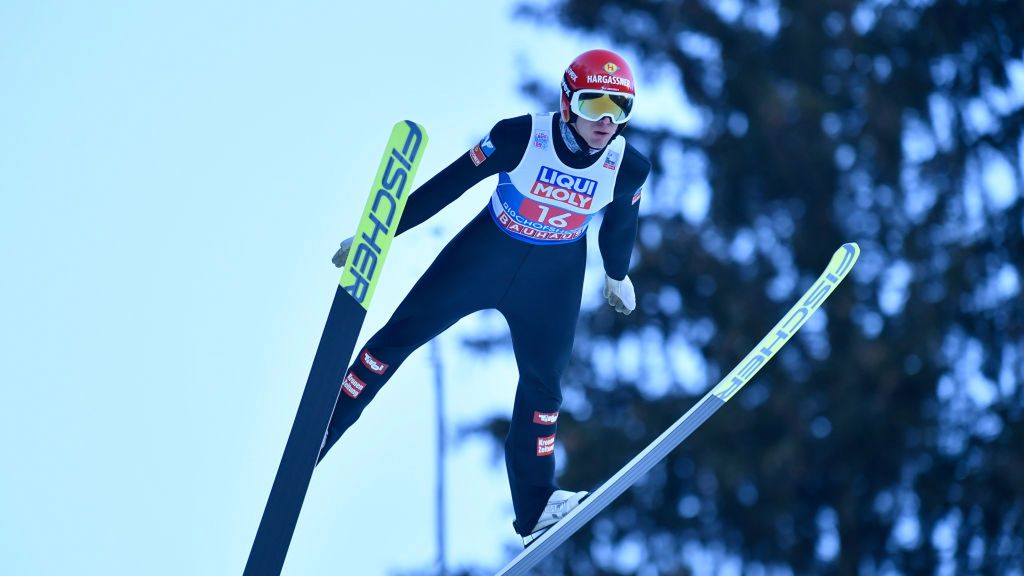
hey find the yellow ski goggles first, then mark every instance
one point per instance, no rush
(595, 104)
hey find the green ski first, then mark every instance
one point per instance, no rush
(842, 262)
(360, 275)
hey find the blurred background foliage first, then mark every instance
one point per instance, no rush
(887, 436)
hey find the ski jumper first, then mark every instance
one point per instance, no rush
(524, 255)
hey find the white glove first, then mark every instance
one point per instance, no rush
(342, 253)
(620, 294)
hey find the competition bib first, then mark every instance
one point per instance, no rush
(543, 201)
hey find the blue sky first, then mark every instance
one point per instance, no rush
(175, 177)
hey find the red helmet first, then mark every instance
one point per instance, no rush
(598, 83)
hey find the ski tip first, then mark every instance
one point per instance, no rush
(844, 259)
(411, 126)
(395, 175)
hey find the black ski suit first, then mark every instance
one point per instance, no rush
(537, 288)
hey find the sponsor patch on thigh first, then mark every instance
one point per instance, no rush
(545, 418)
(371, 363)
(352, 385)
(546, 445)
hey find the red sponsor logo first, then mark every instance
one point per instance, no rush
(547, 419)
(552, 216)
(546, 445)
(477, 155)
(614, 80)
(374, 365)
(574, 199)
(352, 385)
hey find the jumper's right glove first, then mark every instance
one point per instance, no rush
(342, 253)
(620, 294)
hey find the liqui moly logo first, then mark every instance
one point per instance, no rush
(371, 363)
(546, 445)
(352, 385)
(545, 419)
(574, 191)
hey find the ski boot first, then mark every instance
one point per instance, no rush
(559, 505)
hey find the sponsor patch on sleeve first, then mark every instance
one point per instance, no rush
(482, 151)
(546, 445)
(640, 190)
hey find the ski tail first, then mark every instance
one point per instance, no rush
(360, 275)
(841, 264)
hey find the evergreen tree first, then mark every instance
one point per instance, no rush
(888, 434)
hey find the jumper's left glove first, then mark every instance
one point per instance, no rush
(620, 294)
(342, 253)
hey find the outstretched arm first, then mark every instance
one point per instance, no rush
(499, 151)
(441, 190)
